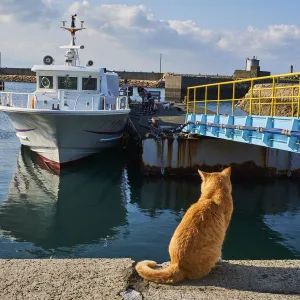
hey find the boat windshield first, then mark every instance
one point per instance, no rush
(89, 83)
(67, 83)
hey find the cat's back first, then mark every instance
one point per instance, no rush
(203, 215)
(206, 221)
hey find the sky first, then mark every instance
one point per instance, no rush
(193, 36)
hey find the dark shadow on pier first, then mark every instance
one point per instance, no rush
(253, 276)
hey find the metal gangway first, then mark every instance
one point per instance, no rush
(264, 111)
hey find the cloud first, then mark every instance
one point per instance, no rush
(31, 11)
(131, 37)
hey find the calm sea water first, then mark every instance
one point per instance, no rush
(103, 207)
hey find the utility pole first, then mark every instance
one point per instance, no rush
(160, 63)
(1, 83)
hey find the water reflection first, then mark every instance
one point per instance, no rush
(250, 230)
(156, 196)
(51, 210)
(105, 208)
(265, 223)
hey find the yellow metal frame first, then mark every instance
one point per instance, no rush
(253, 101)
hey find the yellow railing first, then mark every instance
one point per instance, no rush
(266, 99)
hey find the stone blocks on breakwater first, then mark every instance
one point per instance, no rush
(148, 76)
(17, 78)
(283, 95)
(108, 279)
(32, 79)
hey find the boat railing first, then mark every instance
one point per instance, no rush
(87, 103)
(121, 103)
(31, 100)
(15, 99)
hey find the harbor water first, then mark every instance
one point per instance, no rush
(103, 207)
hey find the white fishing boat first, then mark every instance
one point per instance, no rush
(75, 110)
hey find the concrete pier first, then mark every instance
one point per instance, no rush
(181, 154)
(109, 279)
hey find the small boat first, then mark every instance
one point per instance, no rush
(75, 110)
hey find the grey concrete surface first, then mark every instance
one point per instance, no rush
(64, 279)
(237, 280)
(117, 279)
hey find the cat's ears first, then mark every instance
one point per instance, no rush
(227, 172)
(203, 175)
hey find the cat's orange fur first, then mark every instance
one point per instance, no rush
(196, 245)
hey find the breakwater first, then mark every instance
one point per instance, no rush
(17, 78)
(144, 79)
(284, 93)
(150, 76)
(32, 79)
(176, 85)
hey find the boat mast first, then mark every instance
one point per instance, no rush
(72, 56)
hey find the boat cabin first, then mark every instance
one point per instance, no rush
(70, 86)
(75, 87)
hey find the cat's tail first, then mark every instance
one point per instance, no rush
(171, 274)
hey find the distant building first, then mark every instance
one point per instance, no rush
(252, 69)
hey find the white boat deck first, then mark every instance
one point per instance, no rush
(62, 101)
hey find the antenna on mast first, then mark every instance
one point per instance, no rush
(71, 55)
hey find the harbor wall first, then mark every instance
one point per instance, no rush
(151, 76)
(16, 71)
(184, 156)
(176, 86)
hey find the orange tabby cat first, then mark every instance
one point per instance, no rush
(196, 245)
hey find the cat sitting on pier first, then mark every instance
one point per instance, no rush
(196, 245)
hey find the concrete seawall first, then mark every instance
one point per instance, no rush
(109, 279)
(150, 76)
(123, 74)
(184, 156)
(176, 86)
(132, 82)
(144, 79)
(16, 71)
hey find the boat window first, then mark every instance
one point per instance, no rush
(46, 82)
(67, 83)
(89, 83)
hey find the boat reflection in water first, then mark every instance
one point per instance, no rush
(80, 205)
(103, 207)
